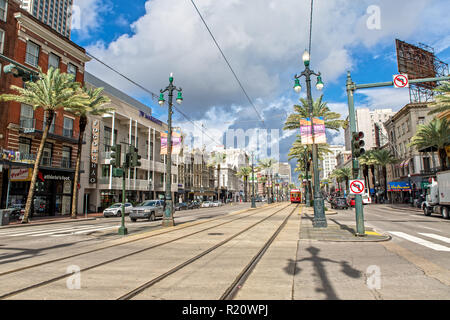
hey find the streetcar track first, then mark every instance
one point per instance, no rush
(152, 282)
(119, 244)
(238, 283)
(46, 282)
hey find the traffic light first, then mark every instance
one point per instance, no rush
(127, 163)
(358, 144)
(116, 156)
(135, 158)
(18, 72)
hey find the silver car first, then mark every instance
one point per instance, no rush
(150, 209)
(116, 210)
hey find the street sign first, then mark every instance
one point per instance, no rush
(401, 81)
(357, 186)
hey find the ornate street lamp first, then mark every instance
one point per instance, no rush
(253, 181)
(319, 211)
(168, 213)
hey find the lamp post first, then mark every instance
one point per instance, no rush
(168, 213)
(253, 181)
(410, 191)
(320, 220)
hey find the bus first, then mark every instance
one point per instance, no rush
(296, 196)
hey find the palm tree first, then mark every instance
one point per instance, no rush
(95, 106)
(368, 162)
(382, 158)
(215, 162)
(266, 164)
(53, 91)
(244, 172)
(320, 109)
(442, 103)
(345, 174)
(434, 134)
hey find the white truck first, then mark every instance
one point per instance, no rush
(438, 196)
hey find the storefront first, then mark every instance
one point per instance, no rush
(399, 192)
(53, 191)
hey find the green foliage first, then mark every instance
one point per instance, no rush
(442, 103)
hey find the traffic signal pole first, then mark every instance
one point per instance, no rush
(351, 89)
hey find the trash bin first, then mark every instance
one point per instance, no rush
(4, 216)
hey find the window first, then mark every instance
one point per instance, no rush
(3, 9)
(24, 148)
(2, 40)
(68, 127)
(71, 69)
(66, 156)
(47, 154)
(32, 56)
(107, 138)
(26, 116)
(421, 120)
(105, 170)
(53, 61)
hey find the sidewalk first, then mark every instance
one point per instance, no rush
(335, 231)
(53, 219)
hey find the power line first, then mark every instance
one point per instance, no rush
(229, 65)
(154, 96)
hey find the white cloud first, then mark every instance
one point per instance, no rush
(87, 16)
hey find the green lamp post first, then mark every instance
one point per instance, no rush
(319, 210)
(168, 220)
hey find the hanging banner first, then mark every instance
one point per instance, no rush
(94, 151)
(176, 142)
(319, 131)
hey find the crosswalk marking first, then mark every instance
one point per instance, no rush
(84, 231)
(22, 233)
(420, 241)
(435, 236)
(72, 230)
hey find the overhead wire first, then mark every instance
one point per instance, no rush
(227, 62)
(154, 95)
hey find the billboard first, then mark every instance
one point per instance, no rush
(416, 62)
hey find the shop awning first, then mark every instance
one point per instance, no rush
(207, 194)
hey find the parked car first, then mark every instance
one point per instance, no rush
(216, 204)
(206, 204)
(193, 205)
(116, 210)
(181, 206)
(339, 203)
(150, 209)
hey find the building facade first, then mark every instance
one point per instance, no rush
(57, 14)
(130, 124)
(371, 124)
(329, 161)
(29, 42)
(413, 166)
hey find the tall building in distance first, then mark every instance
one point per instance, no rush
(329, 162)
(371, 122)
(55, 13)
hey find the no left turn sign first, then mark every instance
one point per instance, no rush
(401, 81)
(357, 186)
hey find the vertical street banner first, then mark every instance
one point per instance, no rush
(319, 131)
(94, 152)
(176, 142)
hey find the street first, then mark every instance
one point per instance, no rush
(414, 264)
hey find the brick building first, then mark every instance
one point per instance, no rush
(33, 44)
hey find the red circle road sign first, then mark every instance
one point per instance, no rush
(401, 81)
(357, 187)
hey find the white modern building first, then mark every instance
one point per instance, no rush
(55, 13)
(366, 120)
(329, 162)
(130, 123)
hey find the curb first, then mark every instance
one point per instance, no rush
(45, 223)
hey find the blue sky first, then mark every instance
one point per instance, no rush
(264, 41)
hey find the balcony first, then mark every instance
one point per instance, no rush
(431, 171)
(36, 127)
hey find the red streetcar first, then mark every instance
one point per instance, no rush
(296, 196)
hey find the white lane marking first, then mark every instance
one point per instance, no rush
(65, 231)
(435, 236)
(84, 231)
(420, 241)
(42, 231)
(430, 228)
